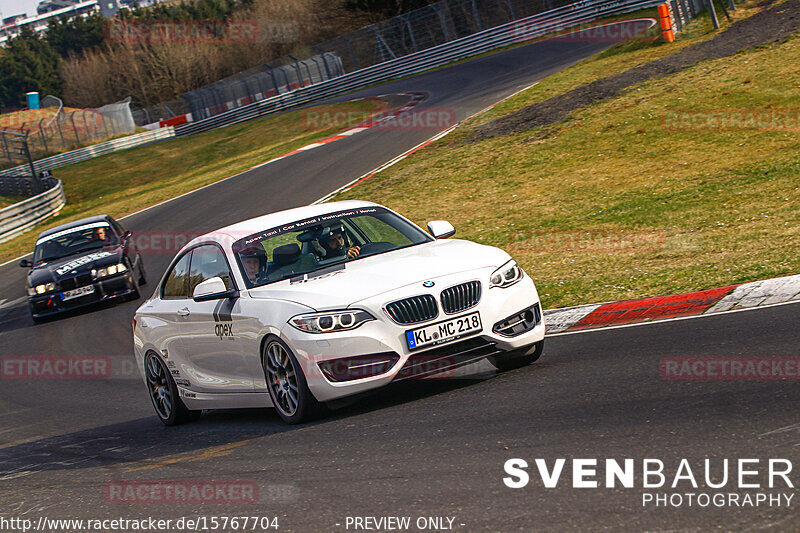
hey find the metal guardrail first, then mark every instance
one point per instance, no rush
(21, 216)
(95, 150)
(523, 29)
(520, 30)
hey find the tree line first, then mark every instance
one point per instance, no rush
(79, 60)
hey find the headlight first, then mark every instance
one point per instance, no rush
(41, 289)
(506, 275)
(331, 321)
(109, 271)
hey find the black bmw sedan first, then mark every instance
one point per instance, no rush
(81, 263)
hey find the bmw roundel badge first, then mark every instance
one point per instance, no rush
(428, 284)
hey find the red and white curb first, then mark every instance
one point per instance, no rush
(732, 298)
(416, 98)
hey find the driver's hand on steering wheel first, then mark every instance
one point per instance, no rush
(353, 252)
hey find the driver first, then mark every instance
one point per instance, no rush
(335, 243)
(253, 263)
(102, 235)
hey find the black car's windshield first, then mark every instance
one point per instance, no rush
(323, 243)
(74, 241)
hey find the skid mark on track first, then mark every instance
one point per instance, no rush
(211, 453)
(785, 429)
(5, 304)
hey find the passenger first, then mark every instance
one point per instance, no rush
(253, 263)
(335, 243)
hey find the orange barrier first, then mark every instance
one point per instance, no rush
(666, 23)
(174, 121)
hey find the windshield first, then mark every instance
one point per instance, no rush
(322, 244)
(74, 241)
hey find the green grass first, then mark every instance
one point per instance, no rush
(125, 182)
(612, 204)
(6, 201)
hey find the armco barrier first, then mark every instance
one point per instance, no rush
(555, 20)
(19, 217)
(520, 30)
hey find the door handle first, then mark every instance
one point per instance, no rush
(183, 312)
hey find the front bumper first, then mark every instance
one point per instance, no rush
(105, 289)
(377, 353)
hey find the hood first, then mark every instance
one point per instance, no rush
(74, 265)
(382, 273)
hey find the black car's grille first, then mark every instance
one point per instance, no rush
(461, 297)
(413, 310)
(74, 283)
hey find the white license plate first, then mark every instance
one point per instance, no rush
(445, 331)
(77, 293)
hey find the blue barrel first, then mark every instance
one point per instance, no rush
(33, 100)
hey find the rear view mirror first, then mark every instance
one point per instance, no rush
(212, 289)
(441, 229)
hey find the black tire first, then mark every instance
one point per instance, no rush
(135, 282)
(163, 392)
(142, 274)
(518, 358)
(287, 384)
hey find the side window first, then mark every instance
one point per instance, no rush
(177, 283)
(208, 262)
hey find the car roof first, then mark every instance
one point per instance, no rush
(254, 225)
(74, 224)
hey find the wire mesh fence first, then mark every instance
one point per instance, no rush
(261, 82)
(62, 129)
(420, 29)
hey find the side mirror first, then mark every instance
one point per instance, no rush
(441, 229)
(212, 289)
(126, 235)
(25, 263)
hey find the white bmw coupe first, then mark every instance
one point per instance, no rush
(297, 308)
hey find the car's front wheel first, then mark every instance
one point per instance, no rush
(519, 358)
(287, 384)
(164, 393)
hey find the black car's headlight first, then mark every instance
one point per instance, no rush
(506, 275)
(41, 289)
(109, 271)
(330, 321)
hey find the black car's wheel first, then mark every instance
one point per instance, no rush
(135, 282)
(142, 275)
(518, 358)
(287, 384)
(164, 393)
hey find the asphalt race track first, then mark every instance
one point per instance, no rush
(431, 448)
